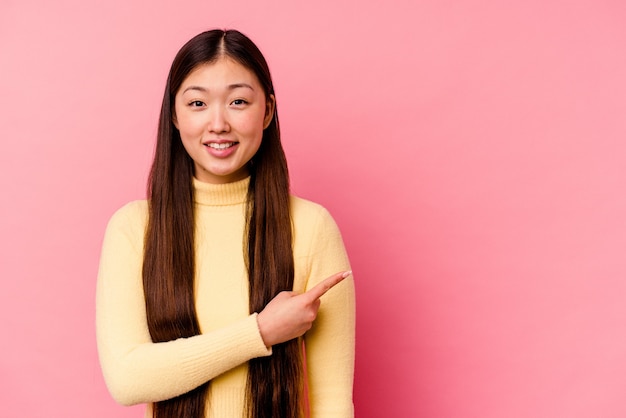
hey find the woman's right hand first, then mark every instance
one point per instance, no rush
(289, 315)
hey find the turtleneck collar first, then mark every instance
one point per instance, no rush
(220, 194)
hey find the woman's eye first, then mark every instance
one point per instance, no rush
(196, 103)
(239, 102)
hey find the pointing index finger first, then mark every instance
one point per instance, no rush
(325, 285)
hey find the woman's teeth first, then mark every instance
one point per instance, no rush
(221, 146)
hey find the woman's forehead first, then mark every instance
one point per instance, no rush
(223, 73)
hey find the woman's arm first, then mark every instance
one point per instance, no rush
(330, 342)
(135, 369)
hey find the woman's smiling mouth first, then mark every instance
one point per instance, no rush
(220, 146)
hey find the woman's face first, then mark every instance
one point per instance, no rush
(221, 112)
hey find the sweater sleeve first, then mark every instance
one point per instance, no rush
(135, 369)
(330, 342)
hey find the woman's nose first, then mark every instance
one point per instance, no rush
(218, 120)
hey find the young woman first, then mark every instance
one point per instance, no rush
(222, 295)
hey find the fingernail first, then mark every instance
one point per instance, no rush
(346, 274)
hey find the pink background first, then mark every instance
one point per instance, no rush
(472, 153)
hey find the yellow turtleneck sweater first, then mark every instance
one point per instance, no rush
(137, 370)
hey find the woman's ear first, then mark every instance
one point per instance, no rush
(174, 120)
(270, 108)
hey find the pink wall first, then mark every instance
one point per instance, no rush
(472, 153)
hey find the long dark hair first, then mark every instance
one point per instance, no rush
(274, 387)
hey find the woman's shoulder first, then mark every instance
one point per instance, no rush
(132, 215)
(315, 232)
(133, 208)
(303, 208)
(307, 214)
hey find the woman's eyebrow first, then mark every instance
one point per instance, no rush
(239, 85)
(230, 87)
(198, 88)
